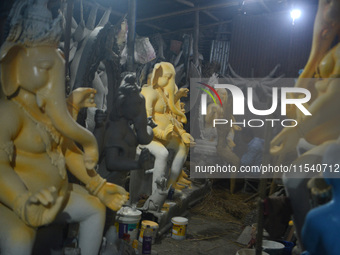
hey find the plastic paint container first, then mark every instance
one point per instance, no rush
(179, 228)
(248, 252)
(272, 247)
(127, 223)
(166, 206)
(154, 227)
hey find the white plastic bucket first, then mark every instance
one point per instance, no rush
(179, 228)
(249, 252)
(272, 247)
(127, 223)
(154, 227)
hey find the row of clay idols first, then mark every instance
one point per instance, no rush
(127, 125)
(38, 144)
(39, 134)
(130, 123)
(153, 120)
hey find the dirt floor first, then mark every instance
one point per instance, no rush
(205, 236)
(214, 226)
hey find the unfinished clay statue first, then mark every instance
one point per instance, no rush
(127, 128)
(93, 57)
(37, 141)
(324, 63)
(163, 106)
(224, 135)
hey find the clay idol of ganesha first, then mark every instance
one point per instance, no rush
(37, 141)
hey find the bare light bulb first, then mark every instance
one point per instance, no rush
(295, 14)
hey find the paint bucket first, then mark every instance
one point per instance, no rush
(127, 223)
(248, 252)
(154, 227)
(179, 227)
(272, 247)
(166, 206)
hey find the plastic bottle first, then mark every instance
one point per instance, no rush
(147, 240)
(135, 246)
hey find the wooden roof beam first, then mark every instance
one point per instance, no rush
(211, 15)
(185, 2)
(100, 7)
(201, 27)
(200, 8)
(156, 27)
(265, 6)
(191, 4)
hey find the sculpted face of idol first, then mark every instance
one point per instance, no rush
(40, 71)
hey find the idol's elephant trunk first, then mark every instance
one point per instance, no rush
(326, 27)
(171, 88)
(143, 130)
(51, 98)
(41, 72)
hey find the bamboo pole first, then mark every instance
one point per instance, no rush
(196, 38)
(208, 13)
(191, 4)
(187, 3)
(67, 35)
(156, 27)
(259, 235)
(113, 12)
(200, 8)
(201, 27)
(131, 35)
(263, 187)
